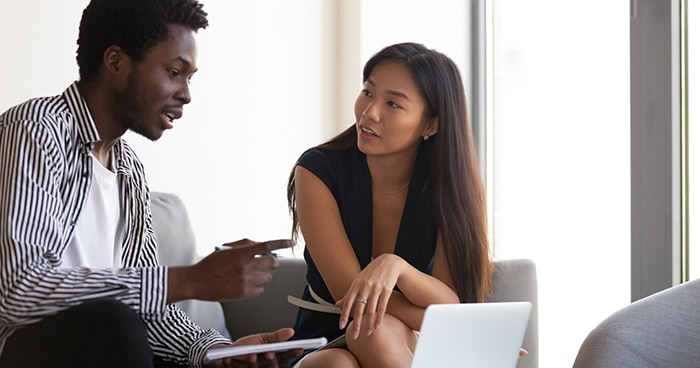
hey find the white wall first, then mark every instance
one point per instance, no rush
(439, 24)
(38, 48)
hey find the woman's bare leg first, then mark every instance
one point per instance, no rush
(330, 358)
(389, 346)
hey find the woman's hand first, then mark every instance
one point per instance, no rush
(369, 294)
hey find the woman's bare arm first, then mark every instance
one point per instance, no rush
(328, 244)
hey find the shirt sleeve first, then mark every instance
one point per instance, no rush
(177, 338)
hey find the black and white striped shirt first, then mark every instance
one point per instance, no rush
(44, 182)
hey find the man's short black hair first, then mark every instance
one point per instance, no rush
(133, 25)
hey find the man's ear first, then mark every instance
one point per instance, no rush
(115, 60)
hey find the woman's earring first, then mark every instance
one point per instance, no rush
(425, 137)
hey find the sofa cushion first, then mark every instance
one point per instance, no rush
(177, 247)
(270, 310)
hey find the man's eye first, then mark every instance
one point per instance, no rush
(173, 73)
(366, 93)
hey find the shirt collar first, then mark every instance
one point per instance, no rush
(87, 131)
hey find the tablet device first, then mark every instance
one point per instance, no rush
(231, 351)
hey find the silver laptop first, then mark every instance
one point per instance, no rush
(472, 335)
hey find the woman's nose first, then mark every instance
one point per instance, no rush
(371, 112)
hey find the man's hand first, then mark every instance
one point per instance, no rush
(237, 271)
(266, 360)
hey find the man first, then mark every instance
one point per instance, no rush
(80, 284)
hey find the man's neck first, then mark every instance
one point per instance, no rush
(103, 154)
(102, 112)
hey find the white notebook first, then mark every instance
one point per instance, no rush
(472, 335)
(232, 351)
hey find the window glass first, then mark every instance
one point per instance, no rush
(693, 150)
(561, 161)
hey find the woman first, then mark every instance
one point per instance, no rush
(392, 211)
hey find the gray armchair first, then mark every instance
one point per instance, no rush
(659, 331)
(514, 280)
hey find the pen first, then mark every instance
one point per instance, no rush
(219, 248)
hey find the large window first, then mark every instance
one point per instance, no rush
(560, 152)
(692, 163)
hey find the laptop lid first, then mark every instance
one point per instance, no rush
(472, 335)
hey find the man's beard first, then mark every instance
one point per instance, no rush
(131, 108)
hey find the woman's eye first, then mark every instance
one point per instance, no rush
(393, 105)
(366, 93)
(173, 73)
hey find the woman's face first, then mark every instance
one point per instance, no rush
(390, 112)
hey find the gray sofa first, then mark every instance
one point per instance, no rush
(514, 280)
(659, 331)
(177, 247)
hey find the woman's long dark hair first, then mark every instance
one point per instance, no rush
(460, 205)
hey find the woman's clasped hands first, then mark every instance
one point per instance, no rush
(368, 297)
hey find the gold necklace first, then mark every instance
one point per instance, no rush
(392, 191)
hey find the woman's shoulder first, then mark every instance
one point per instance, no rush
(322, 157)
(334, 167)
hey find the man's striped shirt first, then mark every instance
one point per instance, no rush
(44, 182)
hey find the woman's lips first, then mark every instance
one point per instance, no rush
(368, 131)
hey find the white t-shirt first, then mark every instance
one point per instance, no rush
(99, 232)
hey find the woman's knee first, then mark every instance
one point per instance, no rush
(390, 345)
(329, 358)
